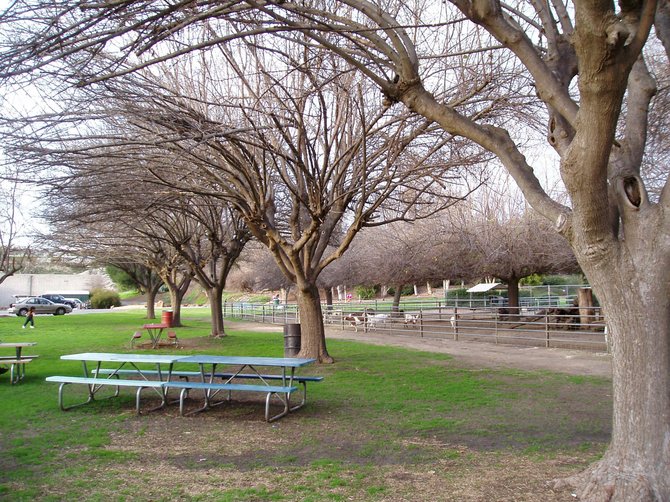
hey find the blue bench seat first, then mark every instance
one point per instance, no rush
(95, 384)
(211, 389)
(301, 379)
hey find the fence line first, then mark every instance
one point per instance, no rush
(572, 327)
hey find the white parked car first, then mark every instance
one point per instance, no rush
(76, 303)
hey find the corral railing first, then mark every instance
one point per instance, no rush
(564, 327)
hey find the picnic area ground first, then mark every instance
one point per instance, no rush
(448, 421)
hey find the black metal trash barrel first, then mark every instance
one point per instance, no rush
(291, 340)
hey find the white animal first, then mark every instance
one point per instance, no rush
(411, 319)
(375, 320)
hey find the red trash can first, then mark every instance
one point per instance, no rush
(166, 318)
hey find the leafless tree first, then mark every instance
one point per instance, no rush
(209, 237)
(582, 60)
(504, 238)
(179, 236)
(657, 152)
(304, 179)
(104, 243)
(401, 254)
(296, 152)
(575, 61)
(257, 270)
(12, 255)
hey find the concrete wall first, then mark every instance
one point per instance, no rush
(38, 284)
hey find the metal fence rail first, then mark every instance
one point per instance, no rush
(528, 326)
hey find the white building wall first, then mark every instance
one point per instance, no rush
(39, 284)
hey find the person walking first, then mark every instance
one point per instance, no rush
(30, 318)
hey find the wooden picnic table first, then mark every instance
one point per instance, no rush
(155, 332)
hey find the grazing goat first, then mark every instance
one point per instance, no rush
(356, 319)
(411, 319)
(376, 319)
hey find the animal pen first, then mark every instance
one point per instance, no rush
(557, 327)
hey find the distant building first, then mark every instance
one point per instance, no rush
(68, 285)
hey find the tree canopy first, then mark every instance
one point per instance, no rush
(491, 73)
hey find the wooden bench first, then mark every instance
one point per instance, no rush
(16, 364)
(207, 387)
(94, 384)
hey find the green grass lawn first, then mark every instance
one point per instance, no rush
(379, 411)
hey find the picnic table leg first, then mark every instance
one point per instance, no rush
(285, 411)
(304, 398)
(65, 408)
(155, 335)
(165, 390)
(207, 392)
(91, 388)
(137, 400)
(304, 392)
(12, 379)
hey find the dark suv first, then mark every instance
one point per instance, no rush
(59, 299)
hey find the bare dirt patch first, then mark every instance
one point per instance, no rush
(479, 354)
(487, 355)
(206, 455)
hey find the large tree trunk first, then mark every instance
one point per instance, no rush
(636, 466)
(151, 301)
(329, 298)
(177, 293)
(397, 294)
(312, 333)
(513, 294)
(215, 296)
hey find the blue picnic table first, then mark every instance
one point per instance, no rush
(279, 385)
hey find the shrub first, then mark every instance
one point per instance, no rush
(405, 291)
(121, 278)
(531, 280)
(365, 292)
(104, 299)
(458, 293)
